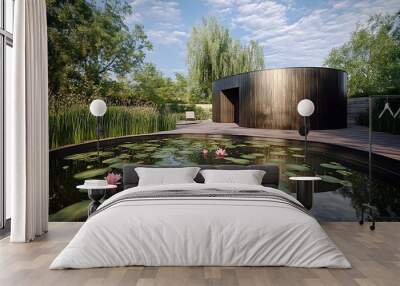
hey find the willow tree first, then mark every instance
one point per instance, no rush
(212, 54)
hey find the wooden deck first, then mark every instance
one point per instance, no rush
(354, 137)
(375, 257)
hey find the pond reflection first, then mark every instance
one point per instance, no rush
(339, 195)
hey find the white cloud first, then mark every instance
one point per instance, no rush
(307, 40)
(161, 19)
(167, 37)
(220, 3)
(341, 4)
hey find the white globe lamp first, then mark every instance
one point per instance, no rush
(305, 107)
(98, 108)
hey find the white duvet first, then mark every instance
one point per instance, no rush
(200, 231)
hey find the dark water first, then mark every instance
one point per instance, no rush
(339, 196)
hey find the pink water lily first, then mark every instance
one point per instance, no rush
(205, 152)
(113, 179)
(221, 152)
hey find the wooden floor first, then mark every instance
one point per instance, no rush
(375, 257)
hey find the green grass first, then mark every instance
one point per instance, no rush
(77, 125)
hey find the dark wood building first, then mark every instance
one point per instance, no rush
(268, 98)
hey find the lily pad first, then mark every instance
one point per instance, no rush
(258, 154)
(89, 156)
(168, 150)
(295, 149)
(112, 160)
(239, 161)
(230, 146)
(346, 183)
(260, 145)
(248, 156)
(344, 173)
(119, 165)
(278, 153)
(160, 156)
(75, 212)
(277, 160)
(77, 157)
(257, 144)
(178, 142)
(196, 146)
(297, 155)
(140, 156)
(333, 166)
(330, 179)
(124, 156)
(91, 173)
(297, 167)
(134, 146)
(150, 149)
(185, 152)
(149, 145)
(128, 145)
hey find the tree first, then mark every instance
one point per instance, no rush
(182, 88)
(371, 57)
(90, 46)
(151, 85)
(213, 53)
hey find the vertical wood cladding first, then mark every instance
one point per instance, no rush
(269, 98)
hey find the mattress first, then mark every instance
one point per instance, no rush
(201, 225)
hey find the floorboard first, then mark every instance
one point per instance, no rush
(375, 257)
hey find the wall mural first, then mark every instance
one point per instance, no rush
(123, 66)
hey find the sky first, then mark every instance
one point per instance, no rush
(291, 32)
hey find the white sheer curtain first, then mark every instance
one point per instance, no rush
(27, 124)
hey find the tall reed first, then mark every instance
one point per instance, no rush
(77, 125)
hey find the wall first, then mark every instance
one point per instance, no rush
(355, 106)
(268, 98)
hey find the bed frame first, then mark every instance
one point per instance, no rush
(270, 179)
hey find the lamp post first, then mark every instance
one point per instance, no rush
(305, 108)
(98, 108)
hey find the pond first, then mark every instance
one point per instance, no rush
(339, 196)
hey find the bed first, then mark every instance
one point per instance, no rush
(197, 224)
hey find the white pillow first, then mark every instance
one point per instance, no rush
(247, 177)
(166, 176)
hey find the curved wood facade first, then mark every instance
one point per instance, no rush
(268, 98)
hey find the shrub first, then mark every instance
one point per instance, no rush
(180, 109)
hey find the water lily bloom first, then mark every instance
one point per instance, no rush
(113, 179)
(221, 152)
(205, 152)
